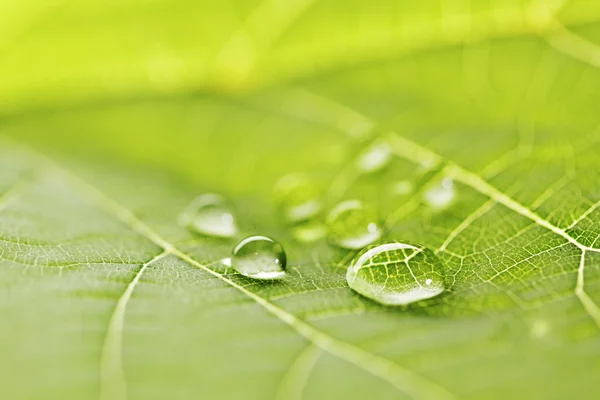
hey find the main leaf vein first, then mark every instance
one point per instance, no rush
(401, 378)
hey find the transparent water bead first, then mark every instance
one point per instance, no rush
(353, 225)
(402, 188)
(376, 157)
(428, 164)
(396, 273)
(209, 214)
(309, 231)
(440, 195)
(298, 196)
(259, 257)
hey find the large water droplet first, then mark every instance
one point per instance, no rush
(396, 273)
(440, 195)
(208, 214)
(298, 197)
(353, 225)
(375, 158)
(259, 257)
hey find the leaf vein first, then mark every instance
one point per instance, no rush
(403, 379)
(113, 385)
(294, 381)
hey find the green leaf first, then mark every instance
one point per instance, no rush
(116, 116)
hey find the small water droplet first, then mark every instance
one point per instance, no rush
(353, 225)
(226, 261)
(440, 195)
(309, 231)
(376, 157)
(540, 328)
(208, 214)
(402, 188)
(428, 164)
(298, 197)
(395, 273)
(259, 257)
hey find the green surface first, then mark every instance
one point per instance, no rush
(396, 274)
(115, 115)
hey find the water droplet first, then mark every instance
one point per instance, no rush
(396, 273)
(540, 328)
(353, 225)
(309, 231)
(298, 197)
(375, 158)
(259, 257)
(402, 188)
(226, 261)
(440, 195)
(429, 164)
(208, 214)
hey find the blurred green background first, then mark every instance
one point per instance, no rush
(142, 105)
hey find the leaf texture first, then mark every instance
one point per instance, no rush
(104, 295)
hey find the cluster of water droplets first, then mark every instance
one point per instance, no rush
(388, 272)
(258, 257)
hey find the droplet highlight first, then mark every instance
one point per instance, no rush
(396, 273)
(209, 215)
(353, 225)
(440, 195)
(540, 328)
(402, 188)
(428, 164)
(298, 196)
(375, 158)
(259, 257)
(309, 231)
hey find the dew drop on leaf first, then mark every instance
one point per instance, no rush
(226, 261)
(308, 231)
(298, 197)
(395, 273)
(353, 225)
(428, 164)
(440, 195)
(375, 157)
(402, 188)
(208, 214)
(259, 257)
(540, 328)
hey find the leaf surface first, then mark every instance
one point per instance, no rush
(104, 295)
